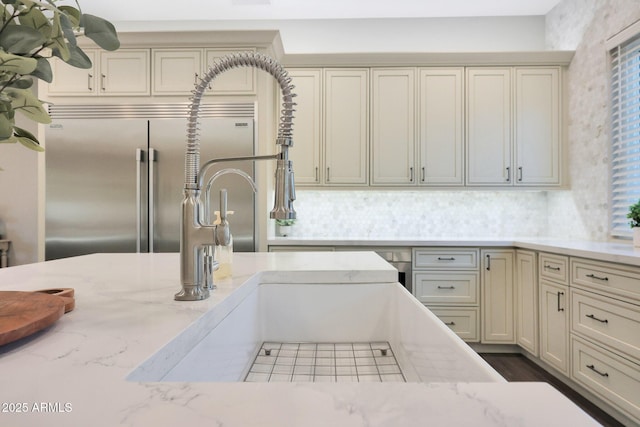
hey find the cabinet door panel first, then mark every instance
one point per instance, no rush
(441, 127)
(497, 297)
(554, 325)
(236, 81)
(537, 126)
(527, 301)
(124, 72)
(393, 126)
(346, 135)
(174, 71)
(308, 122)
(489, 126)
(71, 81)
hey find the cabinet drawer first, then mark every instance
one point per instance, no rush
(611, 377)
(554, 268)
(446, 288)
(606, 277)
(608, 321)
(463, 321)
(439, 258)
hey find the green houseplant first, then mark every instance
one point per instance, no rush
(634, 216)
(31, 33)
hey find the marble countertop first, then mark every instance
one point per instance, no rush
(74, 372)
(620, 252)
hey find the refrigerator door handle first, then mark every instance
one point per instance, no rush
(152, 181)
(139, 159)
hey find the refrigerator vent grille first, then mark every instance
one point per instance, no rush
(149, 111)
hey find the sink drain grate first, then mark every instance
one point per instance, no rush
(325, 362)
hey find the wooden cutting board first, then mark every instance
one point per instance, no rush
(23, 313)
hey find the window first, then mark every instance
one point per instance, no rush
(625, 132)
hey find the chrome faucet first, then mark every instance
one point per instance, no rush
(196, 233)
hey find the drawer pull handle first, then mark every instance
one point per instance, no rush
(452, 323)
(593, 368)
(440, 258)
(560, 294)
(488, 262)
(446, 287)
(548, 267)
(593, 276)
(591, 316)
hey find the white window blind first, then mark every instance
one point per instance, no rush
(625, 115)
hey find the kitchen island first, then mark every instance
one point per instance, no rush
(74, 373)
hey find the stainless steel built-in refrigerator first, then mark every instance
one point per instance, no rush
(115, 173)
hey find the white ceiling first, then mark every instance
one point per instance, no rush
(170, 10)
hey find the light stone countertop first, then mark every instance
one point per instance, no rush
(620, 252)
(74, 372)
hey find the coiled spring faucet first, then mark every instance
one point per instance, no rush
(195, 233)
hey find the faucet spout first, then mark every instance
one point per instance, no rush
(196, 233)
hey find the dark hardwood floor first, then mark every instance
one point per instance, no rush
(516, 367)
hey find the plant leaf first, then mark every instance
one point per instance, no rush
(67, 29)
(58, 43)
(27, 139)
(20, 39)
(34, 18)
(101, 31)
(72, 13)
(43, 70)
(6, 127)
(78, 58)
(22, 83)
(17, 64)
(24, 100)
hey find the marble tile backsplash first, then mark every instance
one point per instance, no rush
(420, 214)
(585, 25)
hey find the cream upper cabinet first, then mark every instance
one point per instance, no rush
(441, 127)
(527, 301)
(393, 126)
(305, 153)
(176, 71)
(537, 126)
(497, 297)
(513, 126)
(124, 72)
(236, 81)
(489, 126)
(346, 126)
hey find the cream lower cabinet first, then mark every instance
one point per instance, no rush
(554, 325)
(446, 280)
(497, 284)
(605, 332)
(527, 301)
(553, 271)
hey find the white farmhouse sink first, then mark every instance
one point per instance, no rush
(425, 349)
